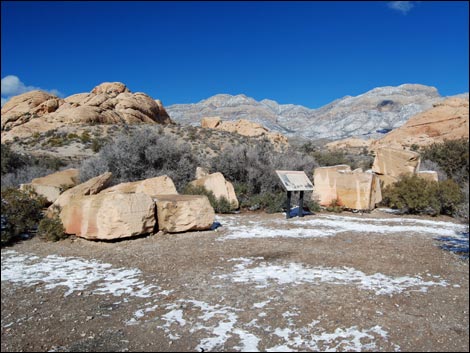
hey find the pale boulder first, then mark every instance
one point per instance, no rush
(391, 163)
(52, 185)
(219, 186)
(428, 175)
(109, 216)
(356, 189)
(210, 122)
(162, 185)
(90, 187)
(181, 213)
(201, 172)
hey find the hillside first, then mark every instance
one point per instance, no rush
(367, 115)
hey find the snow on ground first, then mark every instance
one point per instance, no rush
(266, 274)
(74, 273)
(331, 225)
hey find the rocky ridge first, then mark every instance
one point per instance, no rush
(367, 115)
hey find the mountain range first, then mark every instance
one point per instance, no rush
(368, 115)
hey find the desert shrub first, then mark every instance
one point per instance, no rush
(452, 156)
(335, 206)
(142, 154)
(415, 195)
(85, 137)
(21, 212)
(51, 229)
(220, 205)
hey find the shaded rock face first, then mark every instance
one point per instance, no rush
(109, 216)
(52, 185)
(391, 163)
(382, 108)
(352, 189)
(180, 213)
(448, 119)
(107, 103)
(217, 183)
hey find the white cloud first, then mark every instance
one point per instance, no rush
(12, 86)
(403, 6)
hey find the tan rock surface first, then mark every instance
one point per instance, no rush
(201, 172)
(52, 185)
(108, 103)
(428, 175)
(217, 183)
(90, 187)
(446, 120)
(210, 122)
(390, 163)
(162, 185)
(109, 216)
(180, 213)
(352, 189)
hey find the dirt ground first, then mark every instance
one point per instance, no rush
(347, 282)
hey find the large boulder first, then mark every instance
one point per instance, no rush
(356, 189)
(219, 186)
(180, 213)
(391, 163)
(90, 187)
(109, 216)
(52, 185)
(162, 185)
(210, 122)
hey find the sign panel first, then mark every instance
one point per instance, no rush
(293, 180)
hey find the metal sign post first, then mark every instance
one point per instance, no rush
(293, 180)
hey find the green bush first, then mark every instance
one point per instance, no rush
(452, 156)
(21, 212)
(335, 206)
(220, 205)
(415, 195)
(51, 229)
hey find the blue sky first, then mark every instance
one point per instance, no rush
(306, 53)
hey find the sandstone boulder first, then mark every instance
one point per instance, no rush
(210, 122)
(109, 216)
(52, 185)
(180, 213)
(219, 186)
(390, 163)
(162, 185)
(352, 189)
(428, 175)
(90, 187)
(201, 172)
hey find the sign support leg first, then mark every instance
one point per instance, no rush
(289, 194)
(301, 204)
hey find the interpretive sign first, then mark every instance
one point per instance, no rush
(293, 180)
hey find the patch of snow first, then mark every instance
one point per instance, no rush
(74, 273)
(296, 274)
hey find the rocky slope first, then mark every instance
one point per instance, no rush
(448, 119)
(367, 115)
(108, 103)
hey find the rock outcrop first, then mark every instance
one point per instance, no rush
(52, 185)
(217, 183)
(356, 189)
(109, 216)
(391, 163)
(107, 103)
(245, 128)
(181, 213)
(448, 119)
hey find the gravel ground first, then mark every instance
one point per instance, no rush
(341, 282)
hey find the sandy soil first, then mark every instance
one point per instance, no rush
(348, 282)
